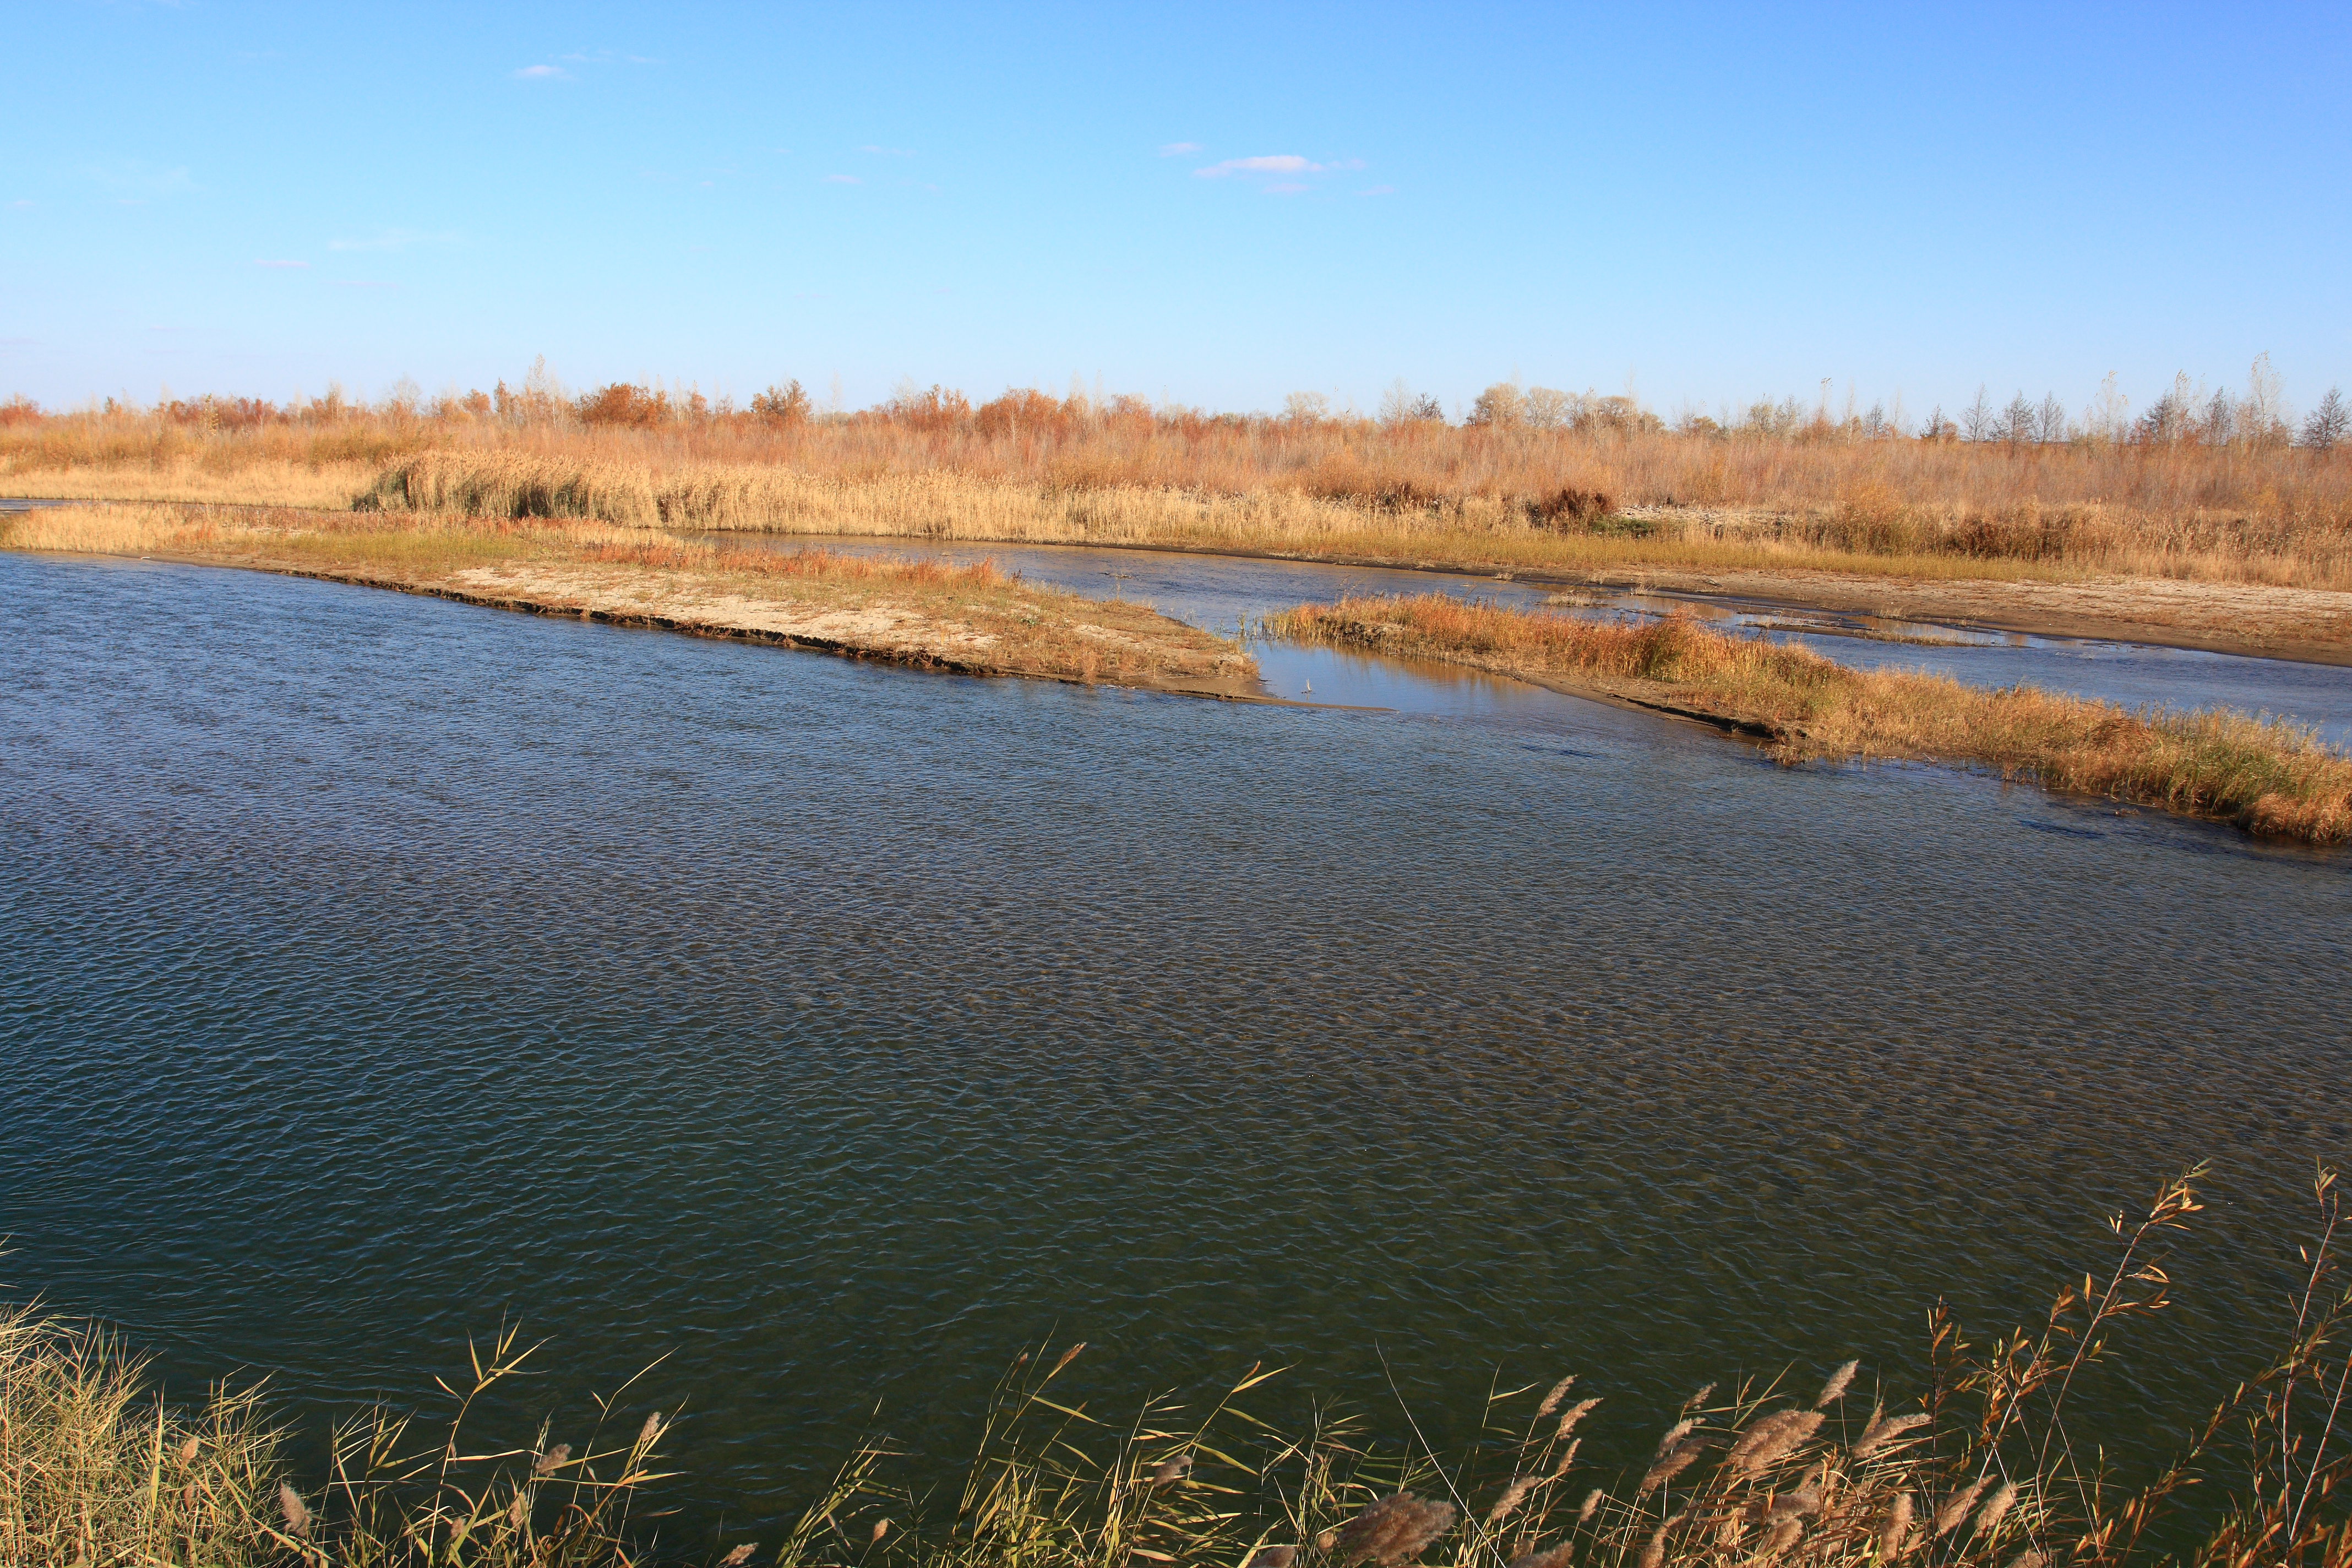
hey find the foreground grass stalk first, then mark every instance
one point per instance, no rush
(1979, 1472)
(2266, 776)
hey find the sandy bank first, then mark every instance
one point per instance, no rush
(972, 620)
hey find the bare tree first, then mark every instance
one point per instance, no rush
(1976, 420)
(2049, 423)
(2108, 418)
(1501, 404)
(1548, 409)
(2018, 422)
(2262, 416)
(2328, 424)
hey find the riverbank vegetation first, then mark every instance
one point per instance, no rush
(2219, 488)
(2266, 775)
(975, 618)
(1970, 1462)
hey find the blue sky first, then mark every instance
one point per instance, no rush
(1210, 204)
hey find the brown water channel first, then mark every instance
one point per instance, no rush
(373, 967)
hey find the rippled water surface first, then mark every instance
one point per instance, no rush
(376, 966)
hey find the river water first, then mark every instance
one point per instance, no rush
(1231, 595)
(375, 967)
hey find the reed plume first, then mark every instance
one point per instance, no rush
(1772, 1439)
(1388, 1531)
(1894, 1537)
(296, 1513)
(1672, 1464)
(1957, 1507)
(1557, 1556)
(1884, 1430)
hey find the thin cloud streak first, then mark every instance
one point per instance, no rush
(1278, 164)
(1178, 148)
(259, 262)
(543, 73)
(397, 239)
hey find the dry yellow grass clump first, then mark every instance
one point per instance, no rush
(1474, 530)
(975, 619)
(1608, 485)
(1979, 1468)
(2266, 775)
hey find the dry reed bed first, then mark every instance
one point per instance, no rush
(1977, 1469)
(2266, 775)
(2243, 512)
(971, 619)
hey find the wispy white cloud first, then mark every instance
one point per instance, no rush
(259, 262)
(1379, 191)
(135, 180)
(20, 202)
(1178, 148)
(541, 73)
(1290, 189)
(397, 239)
(1278, 164)
(842, 180)
(888, 151)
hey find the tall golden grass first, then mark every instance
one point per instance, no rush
(1974, 1465)
(2266, 775)
(1819, 494)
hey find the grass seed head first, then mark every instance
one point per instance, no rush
(1571, 1416)
(1883, 1430)
(1959, 1505)
(1771, 1440)
(1672, 1464)
(1552, 1400)
(1508, 1503)
(553, 1460)
(1591, 1506)
(296, 1511)
(1834, 1389)
(1894, 1531)
(1393, 1529)
(1553, 1557)
(1996, 1508)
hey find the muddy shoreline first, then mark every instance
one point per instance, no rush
(727, 631)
